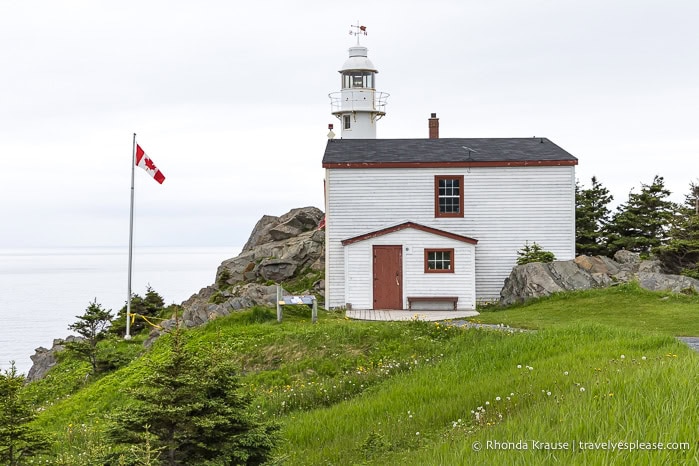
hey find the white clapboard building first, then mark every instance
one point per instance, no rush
(433, 223)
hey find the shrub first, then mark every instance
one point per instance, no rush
(19, 440)
(534, 253)
(92, 326)
(151, 307)
(191, 409)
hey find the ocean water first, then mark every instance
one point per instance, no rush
(43, 290)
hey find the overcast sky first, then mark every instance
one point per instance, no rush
(230, 101)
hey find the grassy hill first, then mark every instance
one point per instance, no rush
(602, 380)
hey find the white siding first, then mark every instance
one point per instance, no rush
(461, 283)
(503, 208)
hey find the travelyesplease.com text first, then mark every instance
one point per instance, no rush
(579, 445)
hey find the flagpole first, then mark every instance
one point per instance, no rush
(127, 336)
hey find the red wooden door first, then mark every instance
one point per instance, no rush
(388, 277)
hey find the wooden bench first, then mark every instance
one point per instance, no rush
(432, 299)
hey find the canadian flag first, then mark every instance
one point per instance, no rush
(143, 161)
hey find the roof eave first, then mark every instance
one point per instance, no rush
(403, 226)
(471, 164)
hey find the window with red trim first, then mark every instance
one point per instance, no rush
(449, 196)
(439, 260)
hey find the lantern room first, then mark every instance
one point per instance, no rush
(358, 105)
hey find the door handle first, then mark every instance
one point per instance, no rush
(397, 284)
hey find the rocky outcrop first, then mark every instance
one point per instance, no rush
(584, 272)
(655, 281)
(44, 359)
(211, 303)
(278, 249)
(293, 223)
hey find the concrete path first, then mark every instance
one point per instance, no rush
(390, 314)
(455, 318)
(693, 342)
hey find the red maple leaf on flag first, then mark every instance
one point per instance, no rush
(143, 161)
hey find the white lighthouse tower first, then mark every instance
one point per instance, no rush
(358, 105)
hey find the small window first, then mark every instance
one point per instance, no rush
(449, 196)
(346, 121)
(439, 261)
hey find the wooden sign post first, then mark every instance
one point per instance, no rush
(309, 300)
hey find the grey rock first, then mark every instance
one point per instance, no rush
(652, 266)
(624, 276)
(277, 269)
(654, 281)
(528, 281)
(319, 286)
(260, 233)
(284, 231)
(296, 221)
(611, 265)
(602, 280)
(627, 257)
(597, 264)
(307, 250)
(536, 279)
(44, 359)
(569, 276)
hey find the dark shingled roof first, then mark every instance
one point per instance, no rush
(500, 151)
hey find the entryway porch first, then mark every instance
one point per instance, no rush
(396, 314)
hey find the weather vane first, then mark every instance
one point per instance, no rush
(357, 31)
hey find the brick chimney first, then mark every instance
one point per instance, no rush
(433, 124)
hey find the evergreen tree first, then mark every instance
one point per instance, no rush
(534, 253)
(193, 407)
(642, 223)
(681, 253)
(691, 199)
(591, 218)
(150, 306)
(92, 326)
(18, 440)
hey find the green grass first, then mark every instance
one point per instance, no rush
(428, 416)
(348, 392)
(626, 306)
